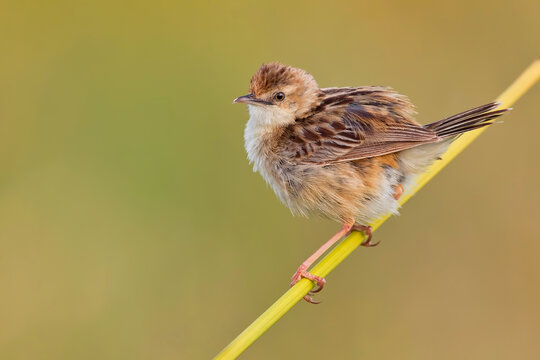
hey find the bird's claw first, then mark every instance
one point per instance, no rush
(318, 280)
(368, 231)
(368, 243)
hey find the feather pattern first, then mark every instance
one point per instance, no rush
(363, 122)
(351, 124)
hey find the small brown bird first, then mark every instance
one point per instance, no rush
(344, 153)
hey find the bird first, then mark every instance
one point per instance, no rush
(343, 153)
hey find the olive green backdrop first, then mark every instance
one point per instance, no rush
(132, 226)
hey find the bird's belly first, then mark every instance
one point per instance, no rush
(341, 192)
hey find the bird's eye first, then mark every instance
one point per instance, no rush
(279, 96)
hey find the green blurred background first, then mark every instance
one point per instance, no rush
(132, 226)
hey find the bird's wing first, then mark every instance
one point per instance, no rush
(351, 124)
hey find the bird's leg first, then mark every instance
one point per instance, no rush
(368, 231)
(302, 270)
(398, 191)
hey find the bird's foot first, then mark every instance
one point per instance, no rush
(303, 273)
(368, 231)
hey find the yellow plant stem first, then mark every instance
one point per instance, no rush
(527, 79)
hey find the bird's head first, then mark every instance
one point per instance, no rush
(281, 89)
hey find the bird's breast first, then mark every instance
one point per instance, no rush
(260, 138)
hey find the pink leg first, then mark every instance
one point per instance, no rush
(302, 270)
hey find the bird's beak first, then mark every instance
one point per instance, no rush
(251, 99)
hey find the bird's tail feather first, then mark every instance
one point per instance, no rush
(466, 121)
